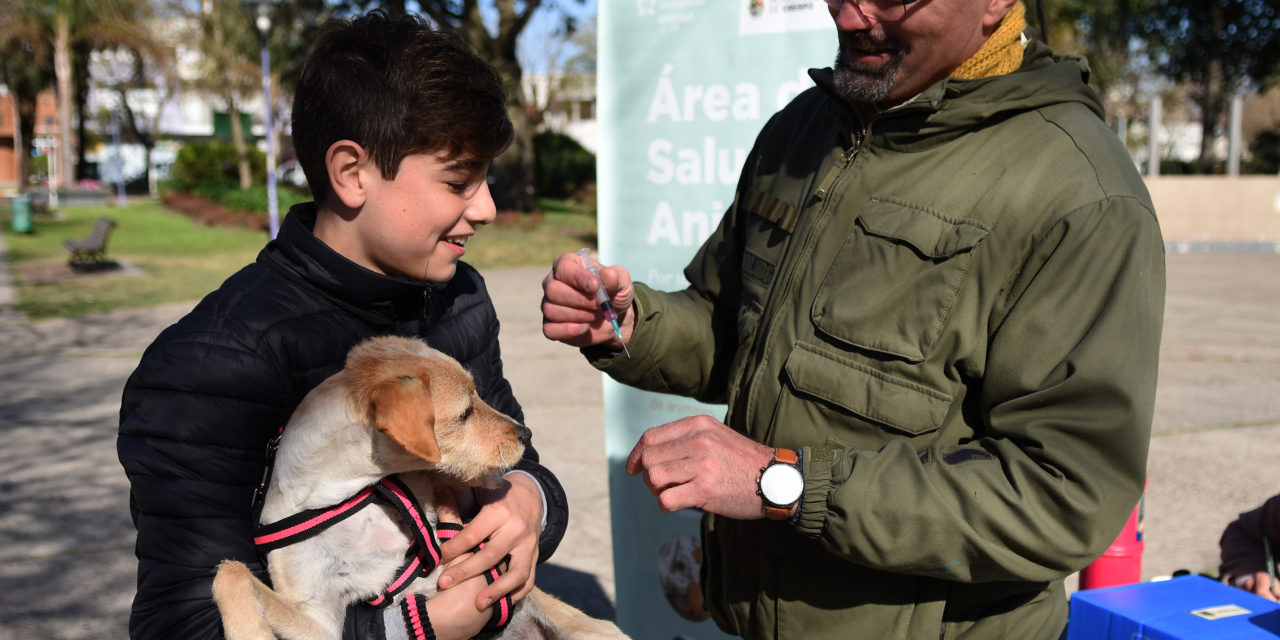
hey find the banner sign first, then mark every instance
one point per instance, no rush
(683, 87)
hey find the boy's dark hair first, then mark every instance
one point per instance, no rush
(396, 86)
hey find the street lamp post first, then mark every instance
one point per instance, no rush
(121, 198)
(53, 173)
(261, 11)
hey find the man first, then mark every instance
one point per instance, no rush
(937, 295)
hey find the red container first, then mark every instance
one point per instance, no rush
(1121, 563)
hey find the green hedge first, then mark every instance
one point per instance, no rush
(254, 199)
(200, 163)
(562, 165)
(210, 170)
(1265, 153)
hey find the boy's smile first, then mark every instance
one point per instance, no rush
(417, 224)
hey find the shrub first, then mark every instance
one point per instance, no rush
(1265, 153)
(563, 166)
(212, 162)
(1172, 167)
(254, 199)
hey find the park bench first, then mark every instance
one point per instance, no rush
(91, 252)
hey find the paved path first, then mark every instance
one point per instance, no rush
(66, 560)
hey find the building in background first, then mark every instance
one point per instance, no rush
(567, 103)
(46, 129)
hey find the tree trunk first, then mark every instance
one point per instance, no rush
(148, 141)
(242, 149)
(1209, 129)
(524, 117)
(26, 105)
(62, 69)
(1213, 102)
(80, 79)
(512, 172)
(520, 155)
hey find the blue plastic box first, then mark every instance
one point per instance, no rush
(1185, 608)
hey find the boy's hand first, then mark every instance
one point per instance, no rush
(570, 313)
(509, 524)
(453, 613)
(1258, 583)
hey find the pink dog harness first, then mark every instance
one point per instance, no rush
(422, 557)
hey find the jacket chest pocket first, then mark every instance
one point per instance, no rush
(769, 226)
(831, 390)
(893, 283)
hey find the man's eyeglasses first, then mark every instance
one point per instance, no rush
(878, 10)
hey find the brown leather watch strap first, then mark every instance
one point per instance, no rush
(783, 456)
(786, 456)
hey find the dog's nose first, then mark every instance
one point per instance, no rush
(523, 434)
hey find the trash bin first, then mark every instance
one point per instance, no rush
(20, 214)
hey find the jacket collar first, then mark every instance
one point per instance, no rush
(950, 108)
(298, 254)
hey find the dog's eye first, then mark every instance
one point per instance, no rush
(465, 415)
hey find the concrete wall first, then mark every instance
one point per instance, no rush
(1206, 211)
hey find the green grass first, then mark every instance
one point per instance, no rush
(181, 261)
(534, 240)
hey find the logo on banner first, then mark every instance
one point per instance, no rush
(782, 16)
(671, 15)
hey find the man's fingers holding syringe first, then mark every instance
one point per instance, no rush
(570, 312)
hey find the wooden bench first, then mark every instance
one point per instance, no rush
(91, 253)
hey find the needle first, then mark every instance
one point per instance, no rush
(602, 298)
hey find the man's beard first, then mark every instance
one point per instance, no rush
(865, 84)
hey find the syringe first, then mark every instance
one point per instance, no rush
(602, 298)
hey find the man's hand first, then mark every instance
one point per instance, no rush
(509, 524)
(700, 462)
(570, 313)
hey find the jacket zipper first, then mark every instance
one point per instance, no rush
(859, 138)
(766, 330)
(424, 315)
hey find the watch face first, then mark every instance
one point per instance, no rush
(781, 484)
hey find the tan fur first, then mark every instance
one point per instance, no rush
(398, 407)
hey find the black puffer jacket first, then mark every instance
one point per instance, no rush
(213, 388)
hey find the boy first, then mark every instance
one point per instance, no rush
(395, 124)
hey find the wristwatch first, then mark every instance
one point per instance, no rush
(780, 484)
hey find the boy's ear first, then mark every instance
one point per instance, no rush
(345, 161)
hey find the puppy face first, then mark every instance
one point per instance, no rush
(426, 406)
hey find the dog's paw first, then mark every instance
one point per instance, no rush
(233, 577)
(234, 591)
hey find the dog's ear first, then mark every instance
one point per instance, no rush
(402, 409)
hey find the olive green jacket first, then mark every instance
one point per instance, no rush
(956, 317)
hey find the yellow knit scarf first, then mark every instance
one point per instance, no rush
(1001, 53)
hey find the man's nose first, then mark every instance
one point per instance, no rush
(850, 17)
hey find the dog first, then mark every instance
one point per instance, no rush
(398, 418)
